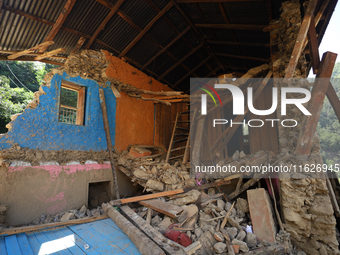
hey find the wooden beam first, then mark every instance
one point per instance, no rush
(59, 22)
(24, 52)
(196, 150)
(334, 100)
(169, 246)
(314, 46)
(11, 52)
(104, 22)
(192, 71)
(168, 209)
(32, 59)
(146, 29)
(225, 137)
(1, 3)
(238, 43)
(300, 39)
(237, 67)
(78, 45)
(214, 1)
(106, 3)
(108, 141)
(180, 62)
(243, 57)
(233, 26)
(144, 244)
(320, 87)
(167, 47)
(46, 227)
(50, 54)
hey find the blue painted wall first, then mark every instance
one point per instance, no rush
(39, 128)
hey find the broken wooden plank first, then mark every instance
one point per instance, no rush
(308, 127)
(59, 22)
(334, 100)
(115, 91)
(146, 29)
(108, 140)
(226, 216)
(300, 39)
(192, 248)
(167, 193)
(11, 52)
(166, 244)
(104, 22)
(21, 53)
(170, 210)
(142, 242)
(50, 54)
(43, 227)
(78, 45)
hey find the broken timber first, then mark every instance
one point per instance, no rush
(171, 210)
(319, 91)
(166, 244)
(142, 242)
(24, 52)
(167, 193)
(108, 140)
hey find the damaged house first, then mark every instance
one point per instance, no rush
(103, 160)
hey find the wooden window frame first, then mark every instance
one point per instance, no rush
(80, 100)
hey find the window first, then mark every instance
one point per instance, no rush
(72, 103)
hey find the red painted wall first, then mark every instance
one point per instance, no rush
(135, 118)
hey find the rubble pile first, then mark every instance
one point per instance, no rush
(83, 212)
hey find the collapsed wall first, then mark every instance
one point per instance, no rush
(305, 201)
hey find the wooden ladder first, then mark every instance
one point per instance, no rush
(180, 139)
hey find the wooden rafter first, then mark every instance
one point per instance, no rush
(50, 54)
(11, 52)
(78, 45)
(104, 22)
(243, 57)
(202, 39)
(59, 22)
(24, 52)
(239, 43)
(225, 137)
(300, 39)
(1, 2)
(233, 26)
(313, 45)
(147, 27)
(2, 58)
(320, 88)
(179, 62)
(191, 72)
(167, 47)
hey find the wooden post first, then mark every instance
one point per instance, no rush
(319, 90)
(108, 140)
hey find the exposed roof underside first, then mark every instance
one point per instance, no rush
(169, 40)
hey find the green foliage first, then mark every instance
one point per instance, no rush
(12, 101)
(329, 125)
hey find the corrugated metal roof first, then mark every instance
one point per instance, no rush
(18, 32)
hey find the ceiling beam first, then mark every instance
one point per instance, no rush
(78, 45)
(201, 37)
(104, 22)
(11, 52)
(59, 22)
(214, 1)
(167, 47)
(239, 43)
(180, 61)
(50, 54)
(2, 58)
(1, 2)
(243, 57)
(192, 71)
(233, 26)
(146, 29)
(24, 52)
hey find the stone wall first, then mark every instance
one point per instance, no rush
(306, 205)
